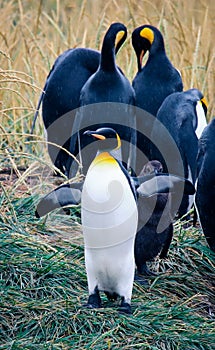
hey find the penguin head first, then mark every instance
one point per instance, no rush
(108, 138)
(194, 96)
(115, 35)
(198, 103)
(152, 167)
(146, 38)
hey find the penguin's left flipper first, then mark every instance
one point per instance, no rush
(69, 194)
(162, 183)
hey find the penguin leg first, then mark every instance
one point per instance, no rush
(140, 280)
(143, 270)
(125, 307)
(164, 251)
(94, 300)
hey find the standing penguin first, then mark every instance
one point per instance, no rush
(60, 98)
(182, 115)
(205, 189)
(110, 96)
(153, 82)
(109, 220)
(150, 238)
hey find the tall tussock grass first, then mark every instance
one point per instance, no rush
(42, 274)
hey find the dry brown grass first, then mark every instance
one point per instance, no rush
(33, 34)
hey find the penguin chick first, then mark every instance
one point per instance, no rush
(205, 189)
(109, 220)
(153, 213)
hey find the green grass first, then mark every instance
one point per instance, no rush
(43, 288)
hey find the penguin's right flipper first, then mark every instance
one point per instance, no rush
(64, 195)
(163, 183)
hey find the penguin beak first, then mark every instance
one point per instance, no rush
(141, 57)
(94, 134)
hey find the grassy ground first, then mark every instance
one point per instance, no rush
(42, 274)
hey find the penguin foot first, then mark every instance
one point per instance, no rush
(141, 280)
(125, 308)
(94, 301)
(143, 270)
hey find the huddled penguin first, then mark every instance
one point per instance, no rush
(153, 82)
(183, 116)
(152, 239)
(205, 189)
(60, 98)
(157, 78)
(110, 96)
(109, 217)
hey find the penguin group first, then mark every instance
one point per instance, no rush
(143, 147)
(109, 211)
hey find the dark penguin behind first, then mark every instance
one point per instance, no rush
(107, 85)
(205, 193)
(153, 82)
(178, 115)
(61, 96)
(149, 242)
(157, 78)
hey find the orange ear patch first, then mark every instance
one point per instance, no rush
(148, 34)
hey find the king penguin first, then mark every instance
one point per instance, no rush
(153, 82)
(109, 219)
(60, 98)
(158, 78)
(183, 116)
(205, 187)
(106, 100)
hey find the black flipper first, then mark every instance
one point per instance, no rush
(37, 110)
(69, 194)
(162, 183)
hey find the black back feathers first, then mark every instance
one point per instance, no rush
(60, 98)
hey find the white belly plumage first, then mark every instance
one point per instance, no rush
(109, 220)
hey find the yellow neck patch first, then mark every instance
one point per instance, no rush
(119, 37)
(104, 158)
(203, 100)
(118, 141)
(148, 34)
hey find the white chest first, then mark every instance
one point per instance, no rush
(109, 211)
